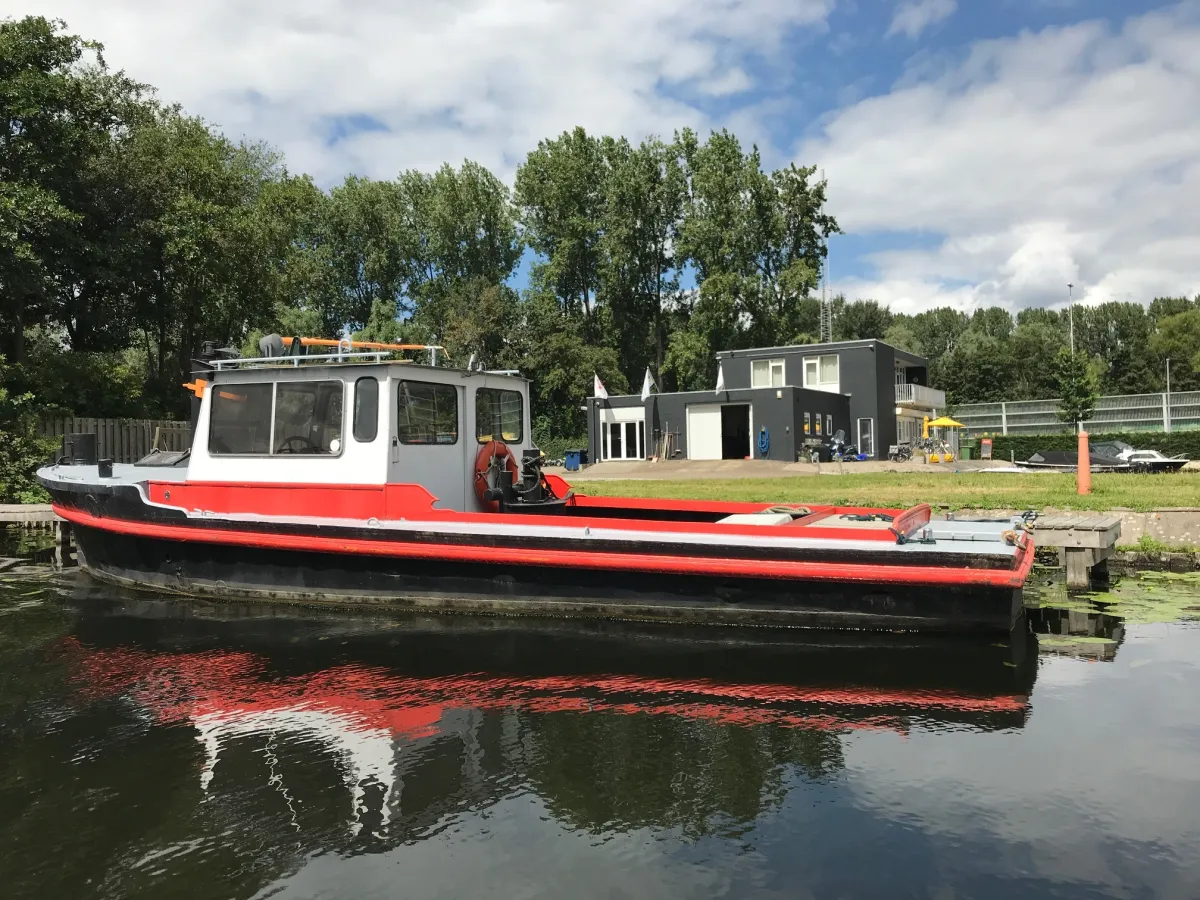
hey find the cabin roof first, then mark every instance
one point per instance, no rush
(317, 366)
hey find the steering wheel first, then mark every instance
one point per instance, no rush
(305, 445)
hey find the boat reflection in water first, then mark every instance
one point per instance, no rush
(608, 724)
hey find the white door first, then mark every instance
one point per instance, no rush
(866, 436)
(704, 431)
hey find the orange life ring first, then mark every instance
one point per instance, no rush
(483, 463)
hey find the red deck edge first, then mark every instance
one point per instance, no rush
(411, 501)
(781, 569)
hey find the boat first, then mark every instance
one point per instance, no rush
(364, 477)
(1140, 460)
(1105, 456)
(1068, 461)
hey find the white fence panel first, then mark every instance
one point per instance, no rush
(1118, 412)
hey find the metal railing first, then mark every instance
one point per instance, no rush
(1178, 411)
(920, 396)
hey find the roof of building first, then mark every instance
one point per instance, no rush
(832, 345)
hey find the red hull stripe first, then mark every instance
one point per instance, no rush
(632, 562)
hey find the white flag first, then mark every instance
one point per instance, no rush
(647, 385)
(720, 377)
(598, 389)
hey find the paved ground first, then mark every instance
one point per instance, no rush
(688, 469)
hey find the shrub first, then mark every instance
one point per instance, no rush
(21, 450)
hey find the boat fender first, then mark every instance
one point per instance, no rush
(498, 453)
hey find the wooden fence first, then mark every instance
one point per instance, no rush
(122, 440)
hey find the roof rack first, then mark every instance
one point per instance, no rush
(343, 350)
(297, 361)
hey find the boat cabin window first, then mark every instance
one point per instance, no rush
(492, 404)
(428, 413)
(240, 421)
(308, 417)
(366, 409)
(302, 417)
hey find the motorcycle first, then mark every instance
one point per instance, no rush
(840, 449)
(900, 452)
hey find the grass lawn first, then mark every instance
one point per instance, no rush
(901, 490)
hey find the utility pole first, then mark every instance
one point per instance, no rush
(1167, 400)
(1071, 313)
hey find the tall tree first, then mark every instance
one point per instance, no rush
(560, 192)
(639, 271)
(60, 108)
(1078, 387)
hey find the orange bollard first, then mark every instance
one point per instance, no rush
(1083, 466)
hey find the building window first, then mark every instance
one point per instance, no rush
(807, 422)
(766, 373)
(240, 420)
(829, 424)
(428, 413)
(817, 421)
(821, 373)
(366, 409)
(492, 403)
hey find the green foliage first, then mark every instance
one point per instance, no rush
(1078, 388)
(21, 450)
(1177, 337)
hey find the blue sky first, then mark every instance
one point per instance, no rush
(978, 151)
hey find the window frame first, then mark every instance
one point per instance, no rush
(270, 452)
(520, 438)
(832, 387)
(457, 409)
(772, 364)
(354, 416)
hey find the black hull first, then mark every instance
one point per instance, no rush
(223, 571)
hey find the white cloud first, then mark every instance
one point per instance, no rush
(914, 16)
(445, 78)
(1071, 154)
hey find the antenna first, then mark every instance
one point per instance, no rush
(825, 326)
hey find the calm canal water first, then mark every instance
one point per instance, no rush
(158, 748)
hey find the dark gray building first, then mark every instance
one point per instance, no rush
(775, 399)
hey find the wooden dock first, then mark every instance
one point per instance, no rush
(40, 516)
(27, 515)
(1084, 541)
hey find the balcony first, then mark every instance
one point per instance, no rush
(918, 396)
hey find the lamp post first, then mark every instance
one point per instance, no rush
(1167, 401)
(1071, 313)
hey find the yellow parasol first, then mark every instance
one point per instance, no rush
(946, 422)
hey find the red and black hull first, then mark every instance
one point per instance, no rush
(124, 540)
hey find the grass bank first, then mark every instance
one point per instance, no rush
(902, 489)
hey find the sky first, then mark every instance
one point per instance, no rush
(979, 152)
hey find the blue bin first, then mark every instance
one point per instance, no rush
(571, 460)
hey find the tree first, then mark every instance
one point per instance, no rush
(60, 109)
(862, 320)
(1078, 386)
(639, 271)
(560, 192)
(1177, 337)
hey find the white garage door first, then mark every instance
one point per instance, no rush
(704, 431)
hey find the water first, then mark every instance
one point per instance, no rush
(158, 748)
